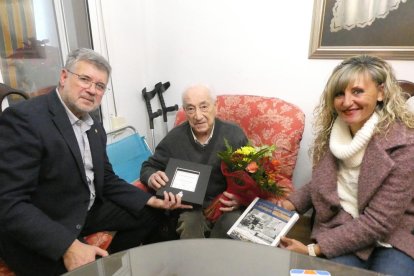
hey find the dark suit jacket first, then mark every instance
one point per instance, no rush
(43, 192)
(385, 198)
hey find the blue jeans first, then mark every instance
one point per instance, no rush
(389, 261)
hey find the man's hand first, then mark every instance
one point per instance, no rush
(157, 180)
(170, 202)
(231, 204)
(79, 254)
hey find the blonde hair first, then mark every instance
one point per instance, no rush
(392, 108)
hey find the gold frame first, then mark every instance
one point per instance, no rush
(317, 51)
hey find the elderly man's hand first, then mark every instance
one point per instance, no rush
(157, 180)
(231, 204)
(170, 202)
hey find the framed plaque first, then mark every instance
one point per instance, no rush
(188, 179)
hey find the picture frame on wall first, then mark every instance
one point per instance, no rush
(344, 28)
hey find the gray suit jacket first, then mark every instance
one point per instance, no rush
(43, 193)
(385, 199)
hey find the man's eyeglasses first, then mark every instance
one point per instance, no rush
(191, 109)
(86, 82)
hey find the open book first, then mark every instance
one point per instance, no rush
(263, 222)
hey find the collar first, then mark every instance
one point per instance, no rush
(87, 119)
(209, 138)
(347, 148)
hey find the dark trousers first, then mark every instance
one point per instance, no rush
(132, 230)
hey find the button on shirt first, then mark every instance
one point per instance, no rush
(80, 127)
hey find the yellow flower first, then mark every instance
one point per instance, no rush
(247, 150)
(258, 162)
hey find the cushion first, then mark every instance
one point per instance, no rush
(101, 239)
(5, 270)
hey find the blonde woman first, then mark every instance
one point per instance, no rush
(362, 187)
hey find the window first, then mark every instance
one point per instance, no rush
(35, 37)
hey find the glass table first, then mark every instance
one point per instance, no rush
(210, 257)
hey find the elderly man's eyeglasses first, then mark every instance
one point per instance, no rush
(191, 109)
(86, 82)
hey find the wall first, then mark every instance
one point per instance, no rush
(237, 46)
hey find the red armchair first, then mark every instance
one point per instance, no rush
(266, 121)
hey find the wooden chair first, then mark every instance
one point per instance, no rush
(407, 86)
(11, 95)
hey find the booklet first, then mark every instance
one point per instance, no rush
(306, 272)
(188, 179)
(263, 222)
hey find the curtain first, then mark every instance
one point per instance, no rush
(17, 29)
(348, 14)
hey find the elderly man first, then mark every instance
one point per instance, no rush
(198, 140)
(57, 184)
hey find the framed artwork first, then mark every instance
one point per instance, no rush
(344, 28)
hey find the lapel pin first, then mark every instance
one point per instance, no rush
(96, 131)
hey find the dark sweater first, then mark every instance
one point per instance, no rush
(179, 143)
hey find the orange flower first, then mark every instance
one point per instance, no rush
(276, 162)
(252, 167)
(257, 162)
(250, 171)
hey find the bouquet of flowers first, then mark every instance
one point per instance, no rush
(250, 172)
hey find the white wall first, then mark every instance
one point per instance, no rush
(237, 46)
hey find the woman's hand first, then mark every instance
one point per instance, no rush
(293, 245)
(170, 202)
(287, 205)
(231, 204)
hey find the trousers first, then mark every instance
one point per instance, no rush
(194, 225)
(389, 261)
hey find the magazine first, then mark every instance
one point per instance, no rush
(263, 222)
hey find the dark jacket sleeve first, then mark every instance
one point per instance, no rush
(116, 189)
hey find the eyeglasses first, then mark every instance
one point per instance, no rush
(86, 82)
(191, 109)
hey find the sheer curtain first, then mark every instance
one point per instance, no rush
(348, 14)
